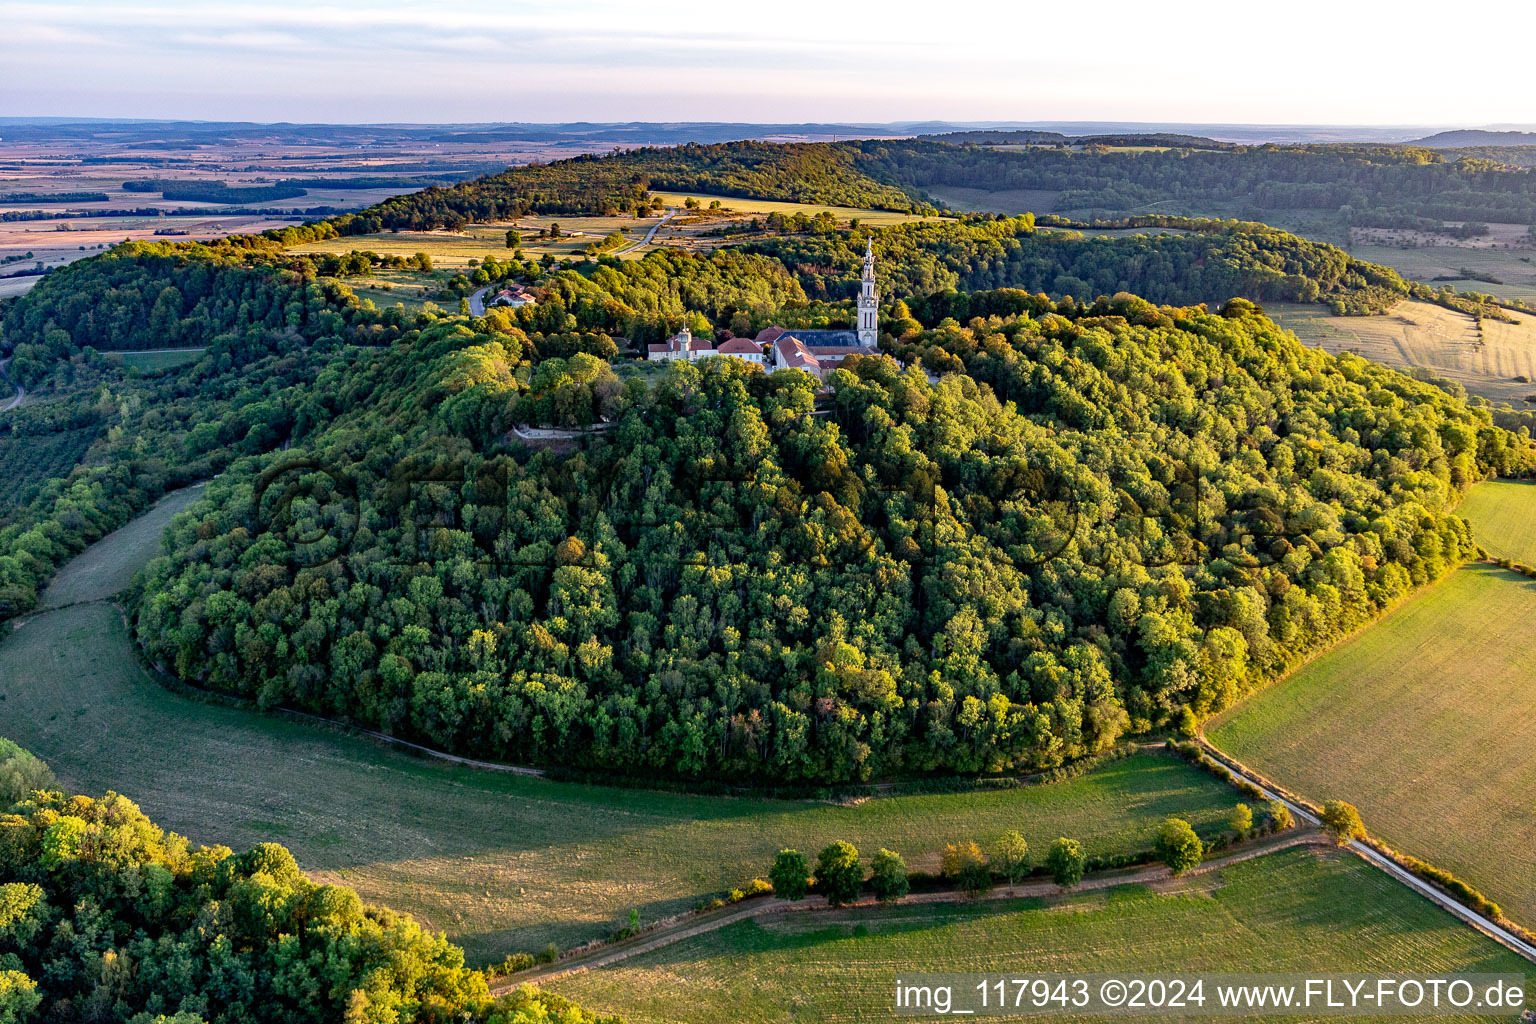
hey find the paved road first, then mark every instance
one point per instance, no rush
(477, 298)
(648, 235)
(20, 391)
(477, 301)
(690, 926)
(1385, 863)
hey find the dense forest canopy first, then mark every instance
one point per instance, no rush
(1108, 513)
(1389, 186)
(619, 183)
(1200, 261)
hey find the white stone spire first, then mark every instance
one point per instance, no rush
(869, 301)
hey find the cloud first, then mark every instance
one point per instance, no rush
(684, 59)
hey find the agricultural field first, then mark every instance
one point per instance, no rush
(1426, 722)
(764, 207)
(455, 249)
(1505, 254)
(1296, 910)
(1422, 335)
(500, 862)
(685, 229)
(15, 284)
(1503, 518)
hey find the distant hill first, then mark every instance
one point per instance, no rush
(1031, 137)
(1476, 137)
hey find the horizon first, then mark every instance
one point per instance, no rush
(680, 61)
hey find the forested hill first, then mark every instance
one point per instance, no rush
(1114, 512)
(618, 183)
(1388, 186)
(1193, 261)
(144, 295)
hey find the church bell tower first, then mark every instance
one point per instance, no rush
(869, 302)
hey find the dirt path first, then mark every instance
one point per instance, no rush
(1155, 874)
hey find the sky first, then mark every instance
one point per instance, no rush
(1191, 61)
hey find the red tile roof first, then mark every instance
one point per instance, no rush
(741, 345)
(769, 335)
(795, 354)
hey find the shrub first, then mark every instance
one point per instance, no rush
(759, 887)
(1241, 819)
(888, 876)
(1066, 862)
(1343, 821)
(1178, 846)
(789, 875)
(839, 875)
(966, 867)
(1280, 815)
(515, 962)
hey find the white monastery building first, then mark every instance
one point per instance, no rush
(817, 352)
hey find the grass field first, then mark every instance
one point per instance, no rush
(1515, 268)
(154, 362)
(1503, 518)
(500, 862)
(1298, 910)
(477, 241)
(1426, 722)
(1419, 334)
(873, 218)
(12, 286)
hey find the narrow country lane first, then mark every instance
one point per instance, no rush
(1380, 860)
(20, 391)
(477, 297)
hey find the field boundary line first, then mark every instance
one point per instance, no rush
(1374, 620)
(1308, 812)
(772, 906)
